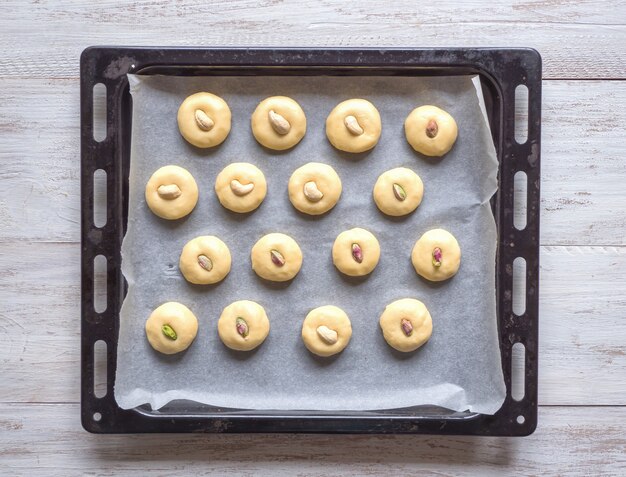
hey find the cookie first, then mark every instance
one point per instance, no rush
(354, 126)
(243, 325)
(406, 324)
(398, 192)
(356, 252)
(314, 188)
(205, 260)
(204, 120)
(276, 257)
(278, 123)
(171, 192)
(240, 187)
(326, 330)
(171, 328)
(436, 255)
(430, 131)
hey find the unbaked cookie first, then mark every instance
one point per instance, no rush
(406, 324)
(314, 188)
(326, 330)
(436, 255)
(276, 257)
(278, 123)
(171, 192)
(430, 130)
(240, 187)
(204, 120)
(354, 126)
(171, 328)
(205, 260)
(243, 325)
(398, 191)
(356, 252)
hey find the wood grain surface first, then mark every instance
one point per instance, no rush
(582, 378)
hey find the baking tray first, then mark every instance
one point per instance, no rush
(500, 72)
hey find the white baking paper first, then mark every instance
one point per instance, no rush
(459, 368)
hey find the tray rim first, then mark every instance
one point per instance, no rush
(505, 68)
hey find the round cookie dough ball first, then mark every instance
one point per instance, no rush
(240, 187)
(278, 123)
(430, 130)
(205, 260)
(326, 330)
(314, 188)
(436, 255)
(406, 324)
(243, 325)
(356, 252)
(276, 257)
(204, 120)
(171, 328)
(398, 191)
(171, 192)
(354, 126)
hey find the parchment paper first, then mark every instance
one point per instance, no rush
(459, 368)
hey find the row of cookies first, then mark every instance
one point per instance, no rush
(277, 257)
(243, 325)
(279, 123)
(314, 189)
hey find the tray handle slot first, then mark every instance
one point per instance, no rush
(100, 349)
(519, 286)
(100, 300)
(521, 114)
(99, 126)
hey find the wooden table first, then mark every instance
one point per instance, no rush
(583, 256)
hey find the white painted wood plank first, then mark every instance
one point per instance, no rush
(583, 167)
(577, 39)
(582, 331)
(48, 440)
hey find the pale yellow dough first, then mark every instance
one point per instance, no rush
(398, 191)
(326, 181)
(368, 120)
(180, 319)
(287, 247)
(257, 325)
(417, 314)
(346, 254)
(266, 134)
(335, 320)
(233, 189)
(423, 255)
(196, 251)
(218, 112)
(164, 205)
(417, 123)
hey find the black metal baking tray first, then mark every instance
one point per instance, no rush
(500, 72)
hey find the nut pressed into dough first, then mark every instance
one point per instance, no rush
(314, 188)
(436, 255)
(240, 187)
(356, 252)
(205, 260)
(430, 130)
(276, 257)
(278, 123)
(171, 328)
(354, 126)
(171, 192)
(243, 325)
(398, 191)
(406, 324)
(326, 330)
(204, 120)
